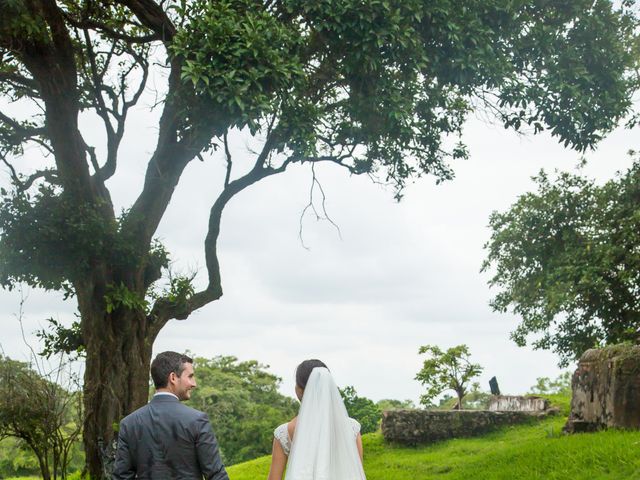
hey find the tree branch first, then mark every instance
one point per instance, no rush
(23, 82)
(163, 309)
(229, 163)
(152, 16)
(88, 23)
(22, 132)
(311, 205)
(52, 64)
(47, 174)
(12, 171)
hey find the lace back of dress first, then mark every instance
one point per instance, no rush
(324, 446)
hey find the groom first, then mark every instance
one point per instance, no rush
(164, 439)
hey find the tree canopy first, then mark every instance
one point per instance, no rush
(566, 260)
(379, 87)
(363, 409)
(243, 404)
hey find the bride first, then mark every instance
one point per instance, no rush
(322, 442)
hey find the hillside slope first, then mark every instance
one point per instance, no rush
(538, 451)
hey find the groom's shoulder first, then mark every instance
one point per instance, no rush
(190, 411)
(135, 414)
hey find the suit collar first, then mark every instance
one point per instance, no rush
(164, 397)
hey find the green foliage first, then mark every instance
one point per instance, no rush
(49, 239)
(119, 296)
(60, 339)
(390, 404)
(561, 385)
(178, 291)
(16, 459)
(237, 54)
(19, 21)
(397, 77)
(243, 403)
(364, 410)
(566, 260)
(446, 370)
(40, 415)
(474, 399)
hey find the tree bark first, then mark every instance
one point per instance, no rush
(116, 379)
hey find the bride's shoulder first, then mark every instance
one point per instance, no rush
(285, 431)
(283, 434)
(355, 425)
(281, 430)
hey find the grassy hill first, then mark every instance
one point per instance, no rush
(537, 451)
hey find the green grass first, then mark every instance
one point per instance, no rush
(528, 452)
(537, 451)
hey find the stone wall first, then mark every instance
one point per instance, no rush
(412, 427)
(516, 403)
(606, 389)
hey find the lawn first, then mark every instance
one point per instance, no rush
(534, 451)
(537, 451)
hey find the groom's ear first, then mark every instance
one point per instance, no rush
(173, 377)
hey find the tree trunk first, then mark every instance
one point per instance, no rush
(116, 379)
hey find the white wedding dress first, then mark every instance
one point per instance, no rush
(324, 444)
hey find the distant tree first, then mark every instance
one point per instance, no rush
(476, 399)
(40, 413)
(389, 404)
(243, 403)
(450, 370)
(446, 402)
(377, 88)
(566, 260)
(362, 409)
(17, 459)
(560, 385)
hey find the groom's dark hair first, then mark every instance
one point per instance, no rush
(304, 370)
(164, 364)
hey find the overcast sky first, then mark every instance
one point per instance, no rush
(399, 276)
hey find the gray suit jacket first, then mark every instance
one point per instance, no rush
(167, 440)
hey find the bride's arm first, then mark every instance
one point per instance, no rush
(278, 461)
(360, 449)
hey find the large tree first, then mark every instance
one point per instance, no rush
(566, 260)
(374, 86)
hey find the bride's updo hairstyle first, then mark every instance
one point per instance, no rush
(304, 371)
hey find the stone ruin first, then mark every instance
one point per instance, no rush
(517, 403)
(413, 427)
(606, 390)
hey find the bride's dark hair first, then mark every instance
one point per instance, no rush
(304, 370)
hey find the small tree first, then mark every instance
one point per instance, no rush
(450, 370)
(560, 386)
(39, 412)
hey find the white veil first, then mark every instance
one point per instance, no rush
(324, 443)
